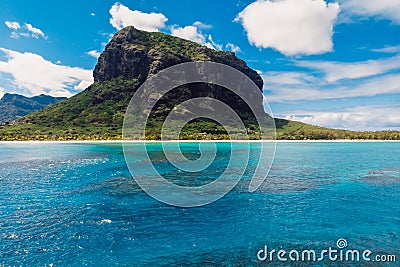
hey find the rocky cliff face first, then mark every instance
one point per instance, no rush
(137, 54)
(127, 61)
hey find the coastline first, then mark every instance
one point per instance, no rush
(193, 141)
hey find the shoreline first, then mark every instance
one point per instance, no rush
(193, 141)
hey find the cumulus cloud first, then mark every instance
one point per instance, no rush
(292, 27)
(122, 16)
(189, 33)
(14, 25)
(383, 9)
(94, 53)
(355, 118)
(194, 34)
(34, 75)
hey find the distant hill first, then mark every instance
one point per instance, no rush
(294, 130)
(13, 106)
(127, 61)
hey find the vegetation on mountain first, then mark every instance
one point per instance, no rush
(293, 130)
(132, 56)
(200, 130)
(13, 106)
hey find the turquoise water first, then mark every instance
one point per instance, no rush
(76, 204)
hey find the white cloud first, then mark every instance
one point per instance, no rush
(83, 85)
(2, 92)
(233, 48)
(122, 16)
(386, 84)
(383, 9)
(14, 35)
(287, 78)
(334, 80)
(292, 27)
(27, 31)
(388, 49)
(94, 53)
(355, 118)
(189, 33)
(92, 14)
(34, 75)
(193, 33)
(212, 44)
(202, 25)
(13, 25)
(35, 32)
(335, 71)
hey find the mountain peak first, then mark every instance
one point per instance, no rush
(8, 96)
(13, 106)
(128, 60)
(135, 54)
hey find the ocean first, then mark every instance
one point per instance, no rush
(74, 204)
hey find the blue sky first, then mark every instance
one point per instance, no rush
(329, 63)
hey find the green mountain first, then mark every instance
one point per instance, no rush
(128, 60)
(294, 130)
(13, 106)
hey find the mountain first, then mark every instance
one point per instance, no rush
(128, 60)
(13, 106)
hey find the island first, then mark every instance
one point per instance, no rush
(129, 59)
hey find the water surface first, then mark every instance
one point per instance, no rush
(76, 204)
